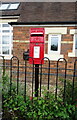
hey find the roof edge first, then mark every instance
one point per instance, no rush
(11, 15)
(42, 23)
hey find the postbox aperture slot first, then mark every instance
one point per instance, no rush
(37, 34)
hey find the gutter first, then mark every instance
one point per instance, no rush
(9, 16)
(43, 23)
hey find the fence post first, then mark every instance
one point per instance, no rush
(73, 83)
(3, 66)
(2, 89)
(11, 74)
(64, 94)
(25, 82)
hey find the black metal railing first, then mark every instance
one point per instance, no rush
(31, 73)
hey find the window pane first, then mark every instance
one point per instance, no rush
(54, 43)
(5, 39)
(5, 50)
(0, 39)
(5, 25)
(76, 42)
(0, 50)
(6, 31)
(14, 6)
(4, 6)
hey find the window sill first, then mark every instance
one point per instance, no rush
(8, 57)
(72, 54)
(54, 57)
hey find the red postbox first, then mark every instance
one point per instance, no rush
(36, 45)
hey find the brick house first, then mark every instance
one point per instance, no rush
(57, 18)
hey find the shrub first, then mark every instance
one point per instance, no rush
(70, 91)
(41, 108)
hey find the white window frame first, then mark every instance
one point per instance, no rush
(9, 6)
(13, 6)
(74, 51)
(54, 55)
(75, 36)
(10, 45)
(49, 43)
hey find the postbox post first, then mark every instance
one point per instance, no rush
(36, 79)
(36, 52)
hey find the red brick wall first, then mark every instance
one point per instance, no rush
(21, 43)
